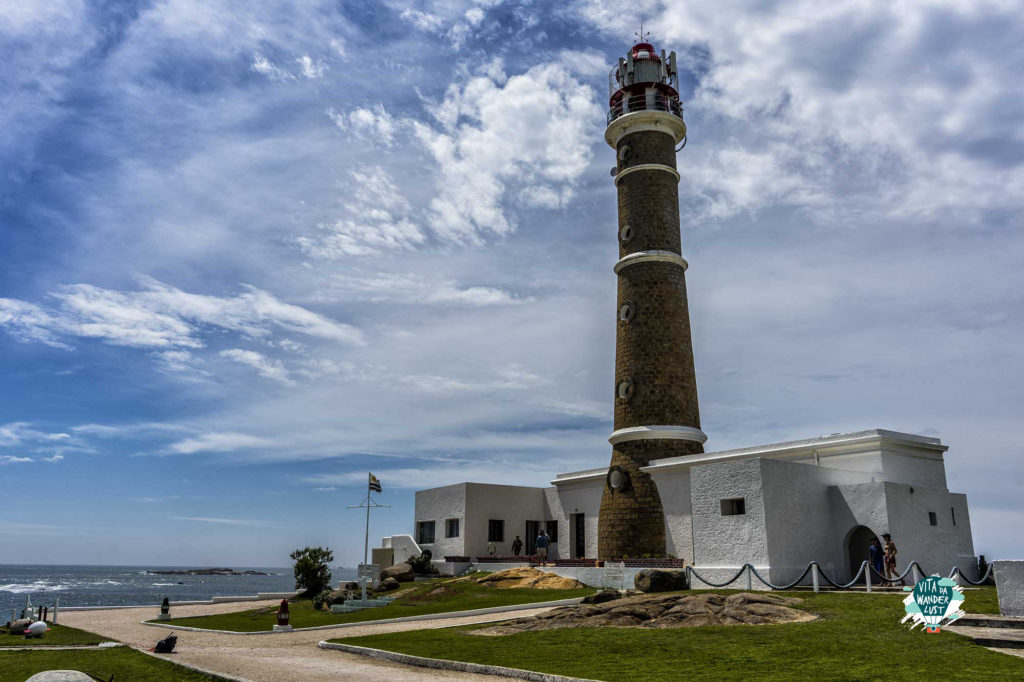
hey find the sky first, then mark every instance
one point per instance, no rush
(250, 251)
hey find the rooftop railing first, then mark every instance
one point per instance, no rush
(649, 102)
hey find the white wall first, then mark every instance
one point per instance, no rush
(438, 505)
(724, 543)
(937, 548)
(583, 497)
(515, 505)
(901, 467)
(674, 490)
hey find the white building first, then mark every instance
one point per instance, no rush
(776, 506)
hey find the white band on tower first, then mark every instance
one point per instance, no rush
(658, 433)
(648, 166)
(651, 256)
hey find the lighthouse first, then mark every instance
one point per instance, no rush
(656, 413)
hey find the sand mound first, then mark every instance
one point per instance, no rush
(526, 576)
(663, 611)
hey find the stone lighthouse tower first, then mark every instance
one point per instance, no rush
(656, 412)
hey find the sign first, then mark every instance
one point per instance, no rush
(368, 570)
(931, 601)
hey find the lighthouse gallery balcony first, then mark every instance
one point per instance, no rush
(646, 102)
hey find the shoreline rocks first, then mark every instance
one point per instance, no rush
(204, 571)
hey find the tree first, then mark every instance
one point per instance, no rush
(312, 570)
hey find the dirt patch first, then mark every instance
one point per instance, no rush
(663, 611)
(526, 576)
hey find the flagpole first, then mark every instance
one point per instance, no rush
(366, 539)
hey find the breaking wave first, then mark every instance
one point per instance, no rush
(38, 586)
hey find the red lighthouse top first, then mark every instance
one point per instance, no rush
(644, 80)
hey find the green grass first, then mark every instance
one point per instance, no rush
(857, 637)
(58, 635)
(123, 663)
(436, 596)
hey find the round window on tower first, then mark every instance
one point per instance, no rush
(618, 479)
(625, 390)
(626, 233)
(626, 311)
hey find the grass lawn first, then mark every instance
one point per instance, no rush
(123, 663)
(858, 636)
(435, 596)
(58, 635)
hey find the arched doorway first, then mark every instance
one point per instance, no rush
(857, 543)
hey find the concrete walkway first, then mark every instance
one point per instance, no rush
(271, 658)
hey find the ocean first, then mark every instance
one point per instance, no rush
(132, 585)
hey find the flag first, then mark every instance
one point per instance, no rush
(374, 484)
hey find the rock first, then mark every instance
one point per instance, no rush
(526, 576)
(403, 573)
(336, 597)
(601, 597)
(18, 627)
(660, 580)
(389, 584)
(662, 611)
(60, 676)
(350, 586)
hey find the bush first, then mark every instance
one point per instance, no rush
(321, 600)
(312, 571)
(421, 564)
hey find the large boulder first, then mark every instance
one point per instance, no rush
(18, 627)
(602, 596)
(350, 586)
(526, 576)
(660, 580)
(336, 597)
(403, 573)
(389, 584)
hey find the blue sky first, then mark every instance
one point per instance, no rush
(250, 251)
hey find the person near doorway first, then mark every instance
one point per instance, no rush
(875, 552)
(491, 549)
(543, 540)
(517, 546)
(889, 548)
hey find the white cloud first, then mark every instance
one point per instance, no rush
(424, 21)
(11, 459)
(384, 287)
(163, 317)
(52, 460)
(311, 69)
(218, 442)
(378, 218)
(533, 133)
(374, 125)
(264, 366)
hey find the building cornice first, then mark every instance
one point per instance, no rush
(638, 121)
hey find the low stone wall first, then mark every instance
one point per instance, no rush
(262, 596)
(1009, 577)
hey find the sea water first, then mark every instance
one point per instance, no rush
(133, 585)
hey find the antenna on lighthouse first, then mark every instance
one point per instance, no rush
(641, 37)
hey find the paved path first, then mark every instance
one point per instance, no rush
(271, 658)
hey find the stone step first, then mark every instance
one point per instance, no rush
(989, 621)
(998, 637)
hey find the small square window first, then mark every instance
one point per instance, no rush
(734, 506)
(933, 519)
(451, 528)
(425, 532)
(495, 530)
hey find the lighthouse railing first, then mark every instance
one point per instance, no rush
(647, 102)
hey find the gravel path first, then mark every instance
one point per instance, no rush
(271, 658)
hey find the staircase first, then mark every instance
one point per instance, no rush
(1001, 633)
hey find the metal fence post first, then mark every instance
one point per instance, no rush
(867, 574)
(814, 576)
(750, 577)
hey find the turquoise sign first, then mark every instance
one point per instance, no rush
(931, 601)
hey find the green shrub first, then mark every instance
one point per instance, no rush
(421, 564)
(321, 600)
(312, 571)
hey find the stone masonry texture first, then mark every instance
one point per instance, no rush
(653, 349)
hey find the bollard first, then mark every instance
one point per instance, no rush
(750, 572)
(814, 576)
(867, 576)
(56, 603)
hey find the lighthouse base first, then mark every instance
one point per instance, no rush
(631, 522)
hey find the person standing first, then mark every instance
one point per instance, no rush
(875, 554)
(517, 546)
(542, 547)
(889, 548)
